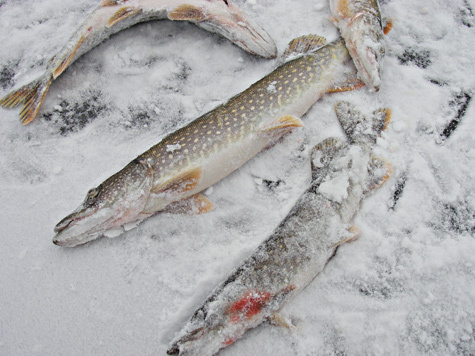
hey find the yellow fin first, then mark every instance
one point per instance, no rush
(181, 183)
(384, 116)
(353, 233)
(65, 63)
(122, 14)
(303, 44)
(31, 95)
(187, 13)
(286, 122)
(347, 85)
(194, 205)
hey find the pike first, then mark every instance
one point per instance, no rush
(300, 247)
(111, 16)
(360, 24)
(172, 173)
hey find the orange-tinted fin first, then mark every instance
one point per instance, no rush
(31, 95)
(181, 183)
(122, 14)
(302, 45)
(194, 205)
(187, 13)
(347, 85)
(353, 233)
(384, 116)
(277, 320)
(388, 25)
(65, 63)
(380, 171)
(286, 122)
(106, 3)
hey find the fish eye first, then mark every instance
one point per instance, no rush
(92, 193)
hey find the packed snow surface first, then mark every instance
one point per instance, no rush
(406, 286)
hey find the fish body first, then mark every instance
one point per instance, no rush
(112, 16)
(300, 247)
(203, 152)
(360, 24)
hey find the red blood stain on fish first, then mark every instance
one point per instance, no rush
(249, 305)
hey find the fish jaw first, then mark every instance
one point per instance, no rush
(117, 201)
(227, 20)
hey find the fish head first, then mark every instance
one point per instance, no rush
(229, 21)
(115, 202)
(365, 44)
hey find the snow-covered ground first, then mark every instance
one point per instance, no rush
(407, 286)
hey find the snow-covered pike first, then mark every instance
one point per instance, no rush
(361, 26)
(211, 147)
(301, 246)
(112, 16)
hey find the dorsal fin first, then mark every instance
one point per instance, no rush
(122, 14)
(187, 12)
(302, 45)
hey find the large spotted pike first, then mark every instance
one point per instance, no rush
(211, 147)
(112, 16)
(360, 24)
(301, 246)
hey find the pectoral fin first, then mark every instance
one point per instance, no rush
(194, 205)
(183, 182)
(187, 13)
(122, 14)
(348, 84)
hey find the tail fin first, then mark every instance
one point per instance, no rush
(360, 128)
(30, 95)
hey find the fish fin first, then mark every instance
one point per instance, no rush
(107, 3)
(182, 182)
(323, 153)
(353, 233)
(194, 205)
(348, 84)
(122, 14)
(276, 319)
(387, 25)
(65, 63)
(302, 45)
(30, 95)
(187, 13)
(379, 172)
(282, 124)
(359, 127)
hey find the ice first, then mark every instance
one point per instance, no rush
(404, 287)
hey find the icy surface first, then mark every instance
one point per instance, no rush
(407, 286)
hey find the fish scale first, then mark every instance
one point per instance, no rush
(172, 173)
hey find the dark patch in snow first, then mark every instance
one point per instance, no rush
(74, 117)
(398, 189)
(440, 83)
(267, 185)
(459, 104)
(458, 217)
(6, 77)
(466, 15)
(139, 118)
(418, 58)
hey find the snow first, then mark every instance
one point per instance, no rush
(406, 286)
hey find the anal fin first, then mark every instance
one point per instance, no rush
(183, 182)
(122, 14)
(194, 205)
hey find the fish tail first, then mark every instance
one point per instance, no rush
(359, 127)
(30, 95)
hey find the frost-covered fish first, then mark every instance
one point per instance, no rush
(360, 24)
(300, 247)
(211, 147)
(112, 16)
